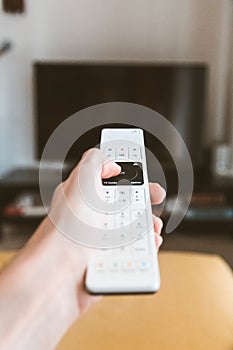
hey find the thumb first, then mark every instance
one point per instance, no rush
(110, 169)
(96, 159)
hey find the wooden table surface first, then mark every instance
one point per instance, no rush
(192, 311)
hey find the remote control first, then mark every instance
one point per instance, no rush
(131, 265)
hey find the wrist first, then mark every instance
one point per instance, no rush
(58, 250)
(46, 285)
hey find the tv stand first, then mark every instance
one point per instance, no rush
(209, 199)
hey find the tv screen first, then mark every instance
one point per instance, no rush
(177, 91)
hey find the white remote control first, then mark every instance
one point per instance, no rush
(132, 267)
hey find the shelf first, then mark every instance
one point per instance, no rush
(20, 180)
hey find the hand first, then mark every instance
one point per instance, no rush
(95, 167)
(74, 199)
(45, 282)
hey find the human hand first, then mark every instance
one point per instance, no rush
(75, 201)
(47, 277)
(95, 167)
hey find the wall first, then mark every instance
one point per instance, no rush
(149, 30)
(230, 100)
(17, 130)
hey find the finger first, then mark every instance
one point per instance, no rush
(158, 240)
(96, 160)
(110, 169)
(85, 177)
(92, 159)
(158, 224)
(85, 154)
(85, 299)
(157, 193)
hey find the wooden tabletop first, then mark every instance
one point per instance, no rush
(192, 311)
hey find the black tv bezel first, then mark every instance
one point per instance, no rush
(204, 158)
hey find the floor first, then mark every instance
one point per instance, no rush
(221, 243)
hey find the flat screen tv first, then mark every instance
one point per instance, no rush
(177, 91)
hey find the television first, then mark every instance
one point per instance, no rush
(177, 91)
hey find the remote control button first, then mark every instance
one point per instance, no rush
(141, 245)
(114, 266)
(135, 153)
(123, 238)
(126, 250)
(109, 152)
(105, 238)
(138, 223)
(109, 196)
(122, 152)
(139, 228)
(143, 250)
(123, 196)
(122, 218)
(100, 266)
(139, 197)
(108, 221)
(129, 266)
(144, 265)
(136, 214)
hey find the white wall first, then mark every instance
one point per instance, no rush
(16, 122)
(230, 100)
(148, 30)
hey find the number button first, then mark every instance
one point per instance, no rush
(139, 227)
(108, 221)
(123, 218)
(136, 214)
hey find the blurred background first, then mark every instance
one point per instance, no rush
(176, 57)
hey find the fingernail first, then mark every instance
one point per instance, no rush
(160, 240)
(158, 220)
(163, 191)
